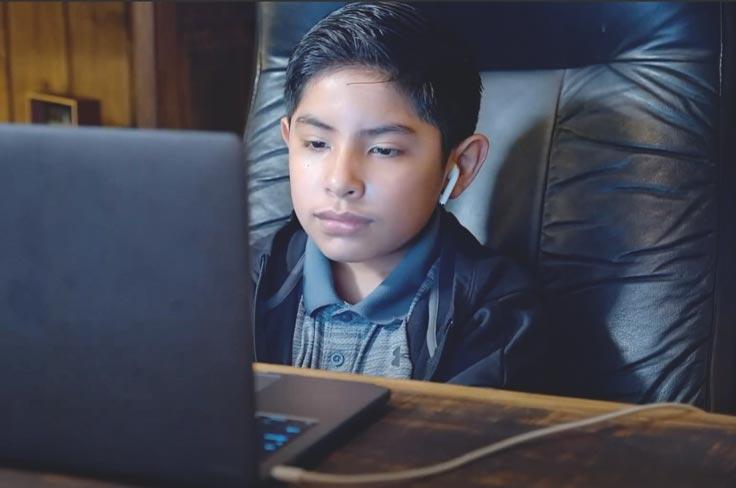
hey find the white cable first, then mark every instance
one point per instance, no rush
(291, 474)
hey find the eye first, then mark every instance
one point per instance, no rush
(386, 151)
(315, 145)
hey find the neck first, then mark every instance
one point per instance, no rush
(355, 281)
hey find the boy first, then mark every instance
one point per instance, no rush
(371, 275)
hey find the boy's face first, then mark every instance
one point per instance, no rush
(366, 172)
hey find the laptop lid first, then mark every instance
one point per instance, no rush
(124, 305)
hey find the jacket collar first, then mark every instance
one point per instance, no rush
(456, 241)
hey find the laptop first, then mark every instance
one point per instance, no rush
(125, 315)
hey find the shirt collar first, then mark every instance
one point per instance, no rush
(391, 299)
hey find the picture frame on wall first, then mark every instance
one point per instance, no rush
(54, 109)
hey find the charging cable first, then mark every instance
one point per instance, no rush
(291, 474)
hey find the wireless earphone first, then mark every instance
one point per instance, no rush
(445, 195)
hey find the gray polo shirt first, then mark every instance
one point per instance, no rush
(368, 337)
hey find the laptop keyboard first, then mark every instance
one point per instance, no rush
(275, 431)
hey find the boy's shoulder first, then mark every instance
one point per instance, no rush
(480, 269)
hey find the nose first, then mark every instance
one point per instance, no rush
(343, 179)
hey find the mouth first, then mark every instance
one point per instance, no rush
(341, 223)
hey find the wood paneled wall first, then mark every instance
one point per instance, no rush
(150, 64)
(6, 110)
(194, 63)
(81, 49)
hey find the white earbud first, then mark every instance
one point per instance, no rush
(445, 195)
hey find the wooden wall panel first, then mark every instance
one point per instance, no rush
(100, 58)
(193, 64)
(142, 28)
(217, 43)
(172, 74)
(37, 48)
(5, 99)
(163, 64)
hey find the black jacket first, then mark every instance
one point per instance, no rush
(489, 328)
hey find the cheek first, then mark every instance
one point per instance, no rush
(302, 167)
(299, 184)
(409, 196)
(413, 186)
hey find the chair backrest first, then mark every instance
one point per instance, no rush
(607, 176)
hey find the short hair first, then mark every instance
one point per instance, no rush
(430, 65)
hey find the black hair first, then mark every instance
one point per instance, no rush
(430, 65)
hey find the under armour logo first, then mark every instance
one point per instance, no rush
(397, 357)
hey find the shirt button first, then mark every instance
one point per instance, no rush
(337, 359)
(346, 315)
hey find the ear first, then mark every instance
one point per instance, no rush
(469, 157)
(285, 130)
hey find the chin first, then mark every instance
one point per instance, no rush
(343, 253)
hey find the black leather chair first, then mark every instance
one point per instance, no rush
(609, 175)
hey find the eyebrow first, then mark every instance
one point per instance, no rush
(314, 121)
(388, 129)
(372, 132)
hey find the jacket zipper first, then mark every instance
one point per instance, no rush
(435, 361)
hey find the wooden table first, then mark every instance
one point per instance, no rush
(427, 423)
